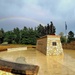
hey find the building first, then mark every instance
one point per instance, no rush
(50, 45)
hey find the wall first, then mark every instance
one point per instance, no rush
(69, 45)
(42, 45)
(56, 49)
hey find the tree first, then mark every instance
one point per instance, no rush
(8, 37)
(1, 35)
(61, 34)
(62, 37)
(16, 34)
(41, 30)
(47, 29)
(70, 36)
(27, 35)
(52, 29)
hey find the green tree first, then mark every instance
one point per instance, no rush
(52, 29)
(24, 35)
(27, 35)
(47, 29)
(16, 35)
(1, 35)
(70, 36)
(32, 35)
(61, 34)
(41, 30)
(62, 37)
(8, 37)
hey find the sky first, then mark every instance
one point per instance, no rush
(31, 13)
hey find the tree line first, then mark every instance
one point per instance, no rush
(26, 35)
(68, 38)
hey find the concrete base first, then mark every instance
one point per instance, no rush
(16, 49)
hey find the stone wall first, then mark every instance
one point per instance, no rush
(69, 45)
(49, 45)
(42, 45)
(56, 49)
(10, 68)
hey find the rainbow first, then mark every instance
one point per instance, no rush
(21, 18)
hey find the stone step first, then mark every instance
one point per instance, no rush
(16, 49)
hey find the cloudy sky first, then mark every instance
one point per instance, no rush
(30, 13)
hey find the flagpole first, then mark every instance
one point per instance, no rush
(66, 31)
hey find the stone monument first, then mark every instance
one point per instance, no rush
(50, 45)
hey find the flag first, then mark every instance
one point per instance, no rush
(65, 26)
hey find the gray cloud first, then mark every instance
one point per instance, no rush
(43, 11)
